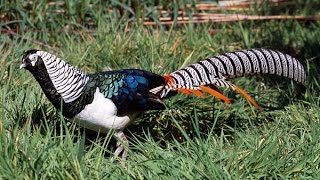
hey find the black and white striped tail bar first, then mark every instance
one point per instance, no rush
(219, 69)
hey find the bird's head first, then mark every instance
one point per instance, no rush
(30, 59)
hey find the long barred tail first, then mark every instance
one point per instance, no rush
(216, 71)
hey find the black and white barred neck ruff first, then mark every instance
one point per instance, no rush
(67, 80)
(218, 69)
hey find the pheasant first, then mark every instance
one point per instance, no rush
(112, 99)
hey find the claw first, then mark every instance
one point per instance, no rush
(122, 142)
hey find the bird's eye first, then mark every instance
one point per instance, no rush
(33, 59)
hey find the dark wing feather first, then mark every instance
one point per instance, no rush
(129, 89)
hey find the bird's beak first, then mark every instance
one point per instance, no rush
(23, 65)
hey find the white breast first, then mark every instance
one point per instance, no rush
(101, 115)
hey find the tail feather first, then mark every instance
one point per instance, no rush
(216, 94)
(217, 70)
(184, 91)
(246, 95)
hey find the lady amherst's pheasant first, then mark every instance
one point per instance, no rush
(112, 99)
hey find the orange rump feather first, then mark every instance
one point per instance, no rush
(246, 95)
(216, 94)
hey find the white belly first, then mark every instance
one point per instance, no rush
(101, 115)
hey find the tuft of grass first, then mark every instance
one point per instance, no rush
(194, 138)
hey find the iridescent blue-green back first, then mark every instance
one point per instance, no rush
(129, 89)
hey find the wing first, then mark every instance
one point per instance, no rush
(129, 89)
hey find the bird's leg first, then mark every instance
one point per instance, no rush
(122, 142)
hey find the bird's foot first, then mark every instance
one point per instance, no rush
(122, 143)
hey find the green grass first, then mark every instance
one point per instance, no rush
(194, 138)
